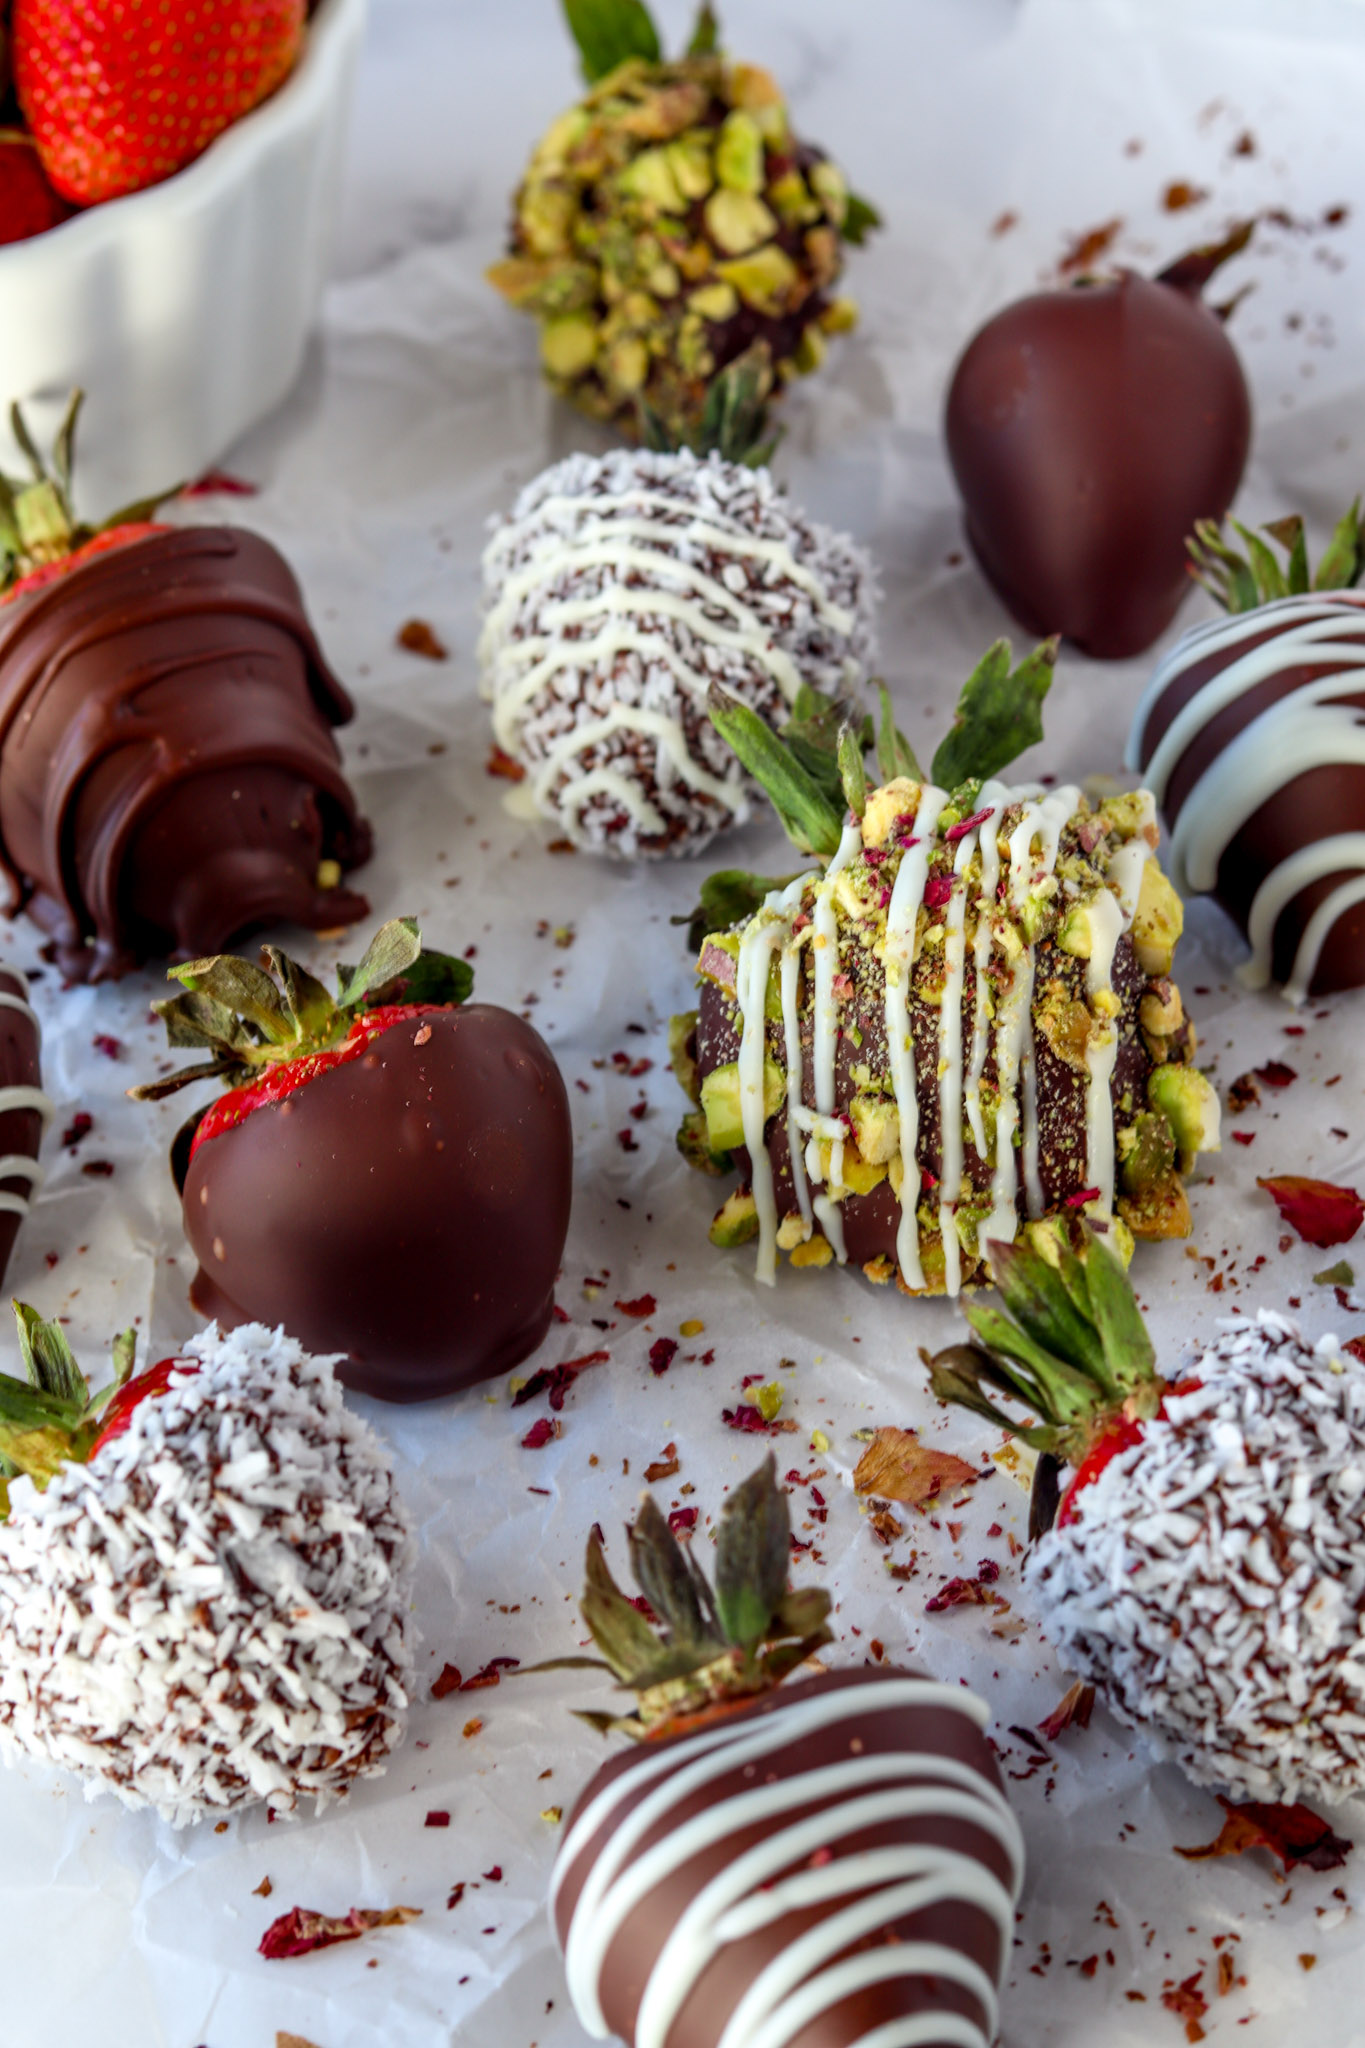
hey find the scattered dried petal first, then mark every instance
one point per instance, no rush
(557, 1379)
(962, 1593)
(437, 1819)
(1321, 1212)
(662, 1353)
(511, 770)
(541, 1432)
(1073, 1710)
(419, 638)
(490, 1674)
(1294, 1835)
(299, 1931)
(897, 1466)
(748, 1418)
(1276, 1074)
(643, 1305)
(448, 1682)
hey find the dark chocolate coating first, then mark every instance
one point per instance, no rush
(871, 1221)
(21, 1130)
(633, 1953)
(408, 1208)
(1322, 802)
(1088, 429)
(168, 775)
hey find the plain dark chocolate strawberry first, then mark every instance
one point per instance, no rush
(1089, 428)
(390, 1176)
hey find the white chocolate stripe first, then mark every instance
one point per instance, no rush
(21, 1097)
(620, 600)
(619, 1880)
(559, 552)
(1312, 617)
(842, 1980)
(902, 929)
(672, 752)
(1301, 732)
(1308, 864)
(1033, 846)
(1315, 933)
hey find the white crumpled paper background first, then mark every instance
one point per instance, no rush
(418, 416)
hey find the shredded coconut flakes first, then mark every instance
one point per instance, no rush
(1213, 1580)
(216, 1610)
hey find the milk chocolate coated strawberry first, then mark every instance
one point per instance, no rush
(1089, 429)
(390, 1175)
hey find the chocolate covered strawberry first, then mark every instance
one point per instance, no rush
(204, 1576)
(1205, 1564)
(1089, 428)
(832, 1863)
(168, 774)
(121, 97)
(388, 1173)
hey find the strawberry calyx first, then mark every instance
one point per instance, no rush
(1072, 1347)
(270, 1029)
(40, 536)
(284, 1077)
(52, 1419)
(705, 1647)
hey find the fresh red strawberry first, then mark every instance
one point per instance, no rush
(285, 1077)
(389, 1173)
(28, 204)
(147, 1496)
(120, 97)
(117, 1417)
(41, 538)
(1205, 1565)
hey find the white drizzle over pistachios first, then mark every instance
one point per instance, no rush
(1015, 864)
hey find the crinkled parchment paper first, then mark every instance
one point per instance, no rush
(418, 416)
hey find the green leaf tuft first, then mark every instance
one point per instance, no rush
(608, 32)
(807, 814)
(860, 218)
(999, 714)
(895, 755)
(753, 1551)
(705, 37)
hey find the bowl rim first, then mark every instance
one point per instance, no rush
(290, 108)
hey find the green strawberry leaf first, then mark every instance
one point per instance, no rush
(807, 814)
(728, 898)
(999, 714)
(1341, 564)
(48, 1358)
(705, 38)
(895, 755)
(434, 978)
(242, 988)
(661, 1572)
(391, 952)
(607, 32)
(852, 773)
(753, 1551)
(860, 217)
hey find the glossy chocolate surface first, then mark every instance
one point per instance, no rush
(895, 1998)
(408, 1208)
(168, 775)
(21, 1127)
(1088, 429)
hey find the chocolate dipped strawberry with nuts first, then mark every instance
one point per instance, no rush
(205, 1576)
(388, 1173)
(831, 1863)
(1204, 1564)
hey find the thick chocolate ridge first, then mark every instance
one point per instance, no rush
(408, 1208)
(168, 775)
(635, 1950)
(1088, 429)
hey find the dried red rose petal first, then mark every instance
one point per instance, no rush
(538, 1435)
(1294, 1835)
(1318, 1210)
(1073, 1710)
(662, 1353)
(557, 1379)
(299, 1931)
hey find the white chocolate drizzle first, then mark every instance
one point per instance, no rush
(19, 1165)
(1307, 729)
(618, 592)
(760, 1886)
(817, 1135)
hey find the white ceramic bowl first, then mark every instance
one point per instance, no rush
(183, 310)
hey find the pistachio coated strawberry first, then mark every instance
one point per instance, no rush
(119, 98)
(388, 1173)
(204, 1576)
(1206, 1561)
(825, 1864)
